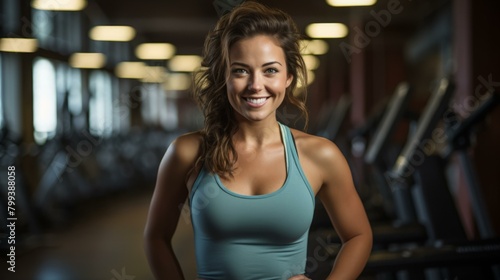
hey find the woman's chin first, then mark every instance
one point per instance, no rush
(259, 117)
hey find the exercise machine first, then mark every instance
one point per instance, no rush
(420, 172)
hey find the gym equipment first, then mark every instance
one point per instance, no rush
(374, 158)
(400, 175)
(420, 177)
(333, 118)
(459, 140)
(447, 251)
(387, 231)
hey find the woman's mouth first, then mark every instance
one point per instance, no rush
(256, 102)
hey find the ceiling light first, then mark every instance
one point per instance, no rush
(24, 45)
(316, 47)
(59, 5)
(130, 70)
(184, 63)
(112, 33)
(155, 51)
(154, 74)
(177, 81)
(347, 3)
(326, 30)
(87, 60)
(310, 78)
(311, 61)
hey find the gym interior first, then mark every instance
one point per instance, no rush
(408, 90)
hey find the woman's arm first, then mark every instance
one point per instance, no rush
(346, 212)
(170, 193)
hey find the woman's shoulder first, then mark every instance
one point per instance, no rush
(309, 140)
(191, 138)
(186, 147)
(316, 148)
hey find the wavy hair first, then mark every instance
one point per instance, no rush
(246, 20)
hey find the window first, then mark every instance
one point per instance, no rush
(44, 100)
(157, 109)
(74, 91)
(116, 106)
(43, 27)
(168, 113)
(149, 108)
(100, 104)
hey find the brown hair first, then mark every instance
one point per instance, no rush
(244, 21)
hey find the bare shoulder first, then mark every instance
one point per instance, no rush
(188, 146)
(184, 150)
(322, 161)
(318, 149)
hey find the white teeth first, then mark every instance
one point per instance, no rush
(256, 101)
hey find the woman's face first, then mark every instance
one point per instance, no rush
(258, 78)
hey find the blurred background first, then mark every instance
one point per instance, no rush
(93, 92)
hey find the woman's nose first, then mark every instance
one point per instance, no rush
(255, 83)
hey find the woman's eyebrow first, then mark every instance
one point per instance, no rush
(271, 63)
(239, 64)
(263, 65)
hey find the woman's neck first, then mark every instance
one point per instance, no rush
(257, 134)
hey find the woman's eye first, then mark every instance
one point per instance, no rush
(239, 71)
(272, 70)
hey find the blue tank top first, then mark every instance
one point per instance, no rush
(247, 237)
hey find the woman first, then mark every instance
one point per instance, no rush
(251, 181)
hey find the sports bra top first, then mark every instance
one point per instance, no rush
(246, 237)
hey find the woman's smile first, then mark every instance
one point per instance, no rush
(256, 102)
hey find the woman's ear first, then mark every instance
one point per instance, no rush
(289, 80)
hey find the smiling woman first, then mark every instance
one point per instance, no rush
(250, 180)
(258, 78)
(246, 21)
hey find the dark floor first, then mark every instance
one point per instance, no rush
(101, 243)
